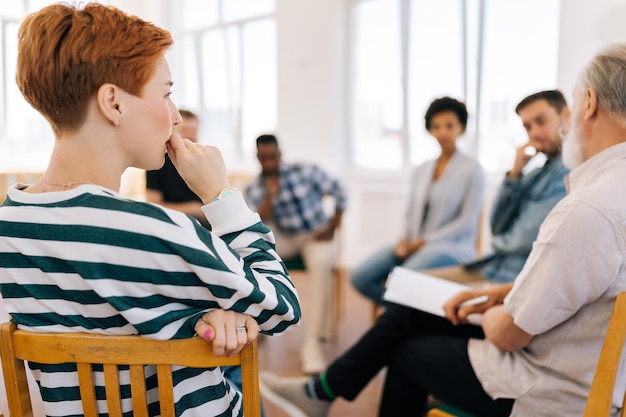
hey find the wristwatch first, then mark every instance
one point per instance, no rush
(225, 193)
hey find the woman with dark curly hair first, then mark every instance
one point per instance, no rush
(445, 199)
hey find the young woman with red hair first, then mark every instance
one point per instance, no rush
(75, 256)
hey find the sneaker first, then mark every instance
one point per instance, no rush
(312, 358)
(290, 395)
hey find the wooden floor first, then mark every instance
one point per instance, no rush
(280, 354)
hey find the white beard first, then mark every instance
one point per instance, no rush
(572, 147)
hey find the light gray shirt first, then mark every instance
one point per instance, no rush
(454, 200)
(564, 296)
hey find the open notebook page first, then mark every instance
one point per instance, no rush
(423, 292)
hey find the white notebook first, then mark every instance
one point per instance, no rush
(423, 292)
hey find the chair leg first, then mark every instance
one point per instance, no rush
(376, 311)
(335, 315)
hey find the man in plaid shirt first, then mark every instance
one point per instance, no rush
(289, 199)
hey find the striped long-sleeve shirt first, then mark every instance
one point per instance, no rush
(87, 260)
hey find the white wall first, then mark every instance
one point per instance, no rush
(586, 26)
(311, 59)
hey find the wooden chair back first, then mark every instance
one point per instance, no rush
(602, 388)
(86, 350)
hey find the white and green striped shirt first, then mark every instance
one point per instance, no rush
(87, 260)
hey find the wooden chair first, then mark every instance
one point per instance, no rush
(603, 385)
(86, 349)
(600, 397)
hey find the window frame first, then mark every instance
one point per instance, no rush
(473, 28)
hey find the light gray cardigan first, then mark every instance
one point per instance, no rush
(454, 206)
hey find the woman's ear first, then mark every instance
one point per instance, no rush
(109, 103)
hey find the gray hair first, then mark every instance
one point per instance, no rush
(606, 74)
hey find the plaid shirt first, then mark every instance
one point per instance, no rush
(298, 205)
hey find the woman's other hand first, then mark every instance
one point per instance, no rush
(404, 249)
(228, 330)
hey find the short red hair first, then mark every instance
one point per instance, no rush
(65, 53)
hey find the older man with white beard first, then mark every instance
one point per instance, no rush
(543, 343)
(541, 336)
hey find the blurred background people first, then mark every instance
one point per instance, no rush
(525, 197)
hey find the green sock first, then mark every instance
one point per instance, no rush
(317, 388)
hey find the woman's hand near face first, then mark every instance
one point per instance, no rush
(201, 166)
(228, 330)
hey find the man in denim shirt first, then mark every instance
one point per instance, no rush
(524, 199)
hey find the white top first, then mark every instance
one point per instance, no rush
(564, 296)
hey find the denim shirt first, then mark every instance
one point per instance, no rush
(520, 207)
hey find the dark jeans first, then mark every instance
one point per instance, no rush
(425, 355)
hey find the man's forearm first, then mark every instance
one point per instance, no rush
(500, 330)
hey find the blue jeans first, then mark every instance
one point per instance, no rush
(370, 277)
(233, 375)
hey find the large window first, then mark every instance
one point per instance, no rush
(377, 85)
(25, 137)
(519, 58)
(224, 65)
(405, 53)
